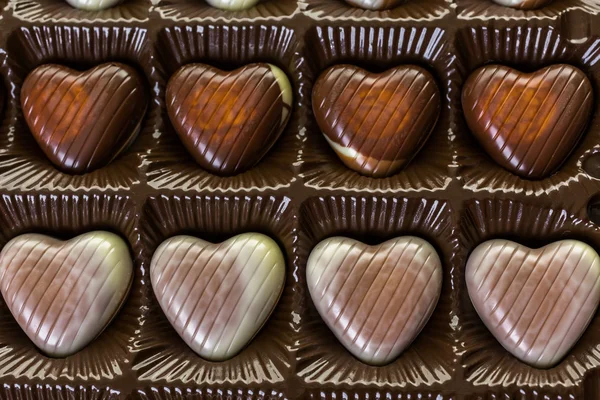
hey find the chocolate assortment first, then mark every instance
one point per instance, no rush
(299, 199)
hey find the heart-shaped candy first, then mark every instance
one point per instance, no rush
(83, 120)
(93, 5)
(64, 293)
(375, 5)
(218, 296)
(375, 299)
(228, 121)
(528, 122)
(536, 302)
(523, 4)
(376, 123)
(233, 5)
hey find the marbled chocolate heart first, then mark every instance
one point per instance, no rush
(375, 299)
(228, 121)
(218, 296)
(528, 122)
(63, 294)
(83, 120)
(233, 5)
(376, 123)
(523, 4)
(375, 5)
(536, 302)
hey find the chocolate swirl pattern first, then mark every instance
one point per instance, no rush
(376, 123)
(528, 123)
(523, 4)
(218, 296)
(228, 121)
(83, 120)
(376, 5)
(536, 302)
(375, 299)
(63, 294)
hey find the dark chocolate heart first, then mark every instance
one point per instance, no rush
(528, 122)
(228, 121)
(83, 120)
(536, 302)
(63, 294)
(376, 123)
(375, 299)
(523, 4)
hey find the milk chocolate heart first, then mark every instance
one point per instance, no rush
(376, 123)
(523, 4)
(83, 120)
(528, 122)
(233, 5)
(63, 294)
(218, 296)
(376, 5)
(229, 120)
(536, 302)
(375, 299)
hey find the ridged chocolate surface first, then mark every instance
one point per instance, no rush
(218, 296)
(376, 123)
(375, 299)
(63, 294)
(523, 4)
(528, 122)
(375, 4)
(229, 120)
(536, 302)
(83, 120)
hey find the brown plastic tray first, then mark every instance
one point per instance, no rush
(452, 194)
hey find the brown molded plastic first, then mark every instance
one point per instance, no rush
(452, 194)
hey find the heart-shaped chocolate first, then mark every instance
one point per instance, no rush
(375, 5)
(376, 123)
(218, 296)
(93, 5)
(228, 121)
(233, 5)
(64, 293)
(528, 122)
(523, 4)
(375, 299)
(83, 120)
(536, 302)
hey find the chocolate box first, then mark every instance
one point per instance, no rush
(452, 194)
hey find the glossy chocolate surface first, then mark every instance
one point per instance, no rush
(376, 123)
(536, 302)
(83, 120)
(218, 296)
(375, 299)
(528, 123)
(523, 4)
(63, 294)
(228, 121)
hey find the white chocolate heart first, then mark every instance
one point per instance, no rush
(63, 294)
(93, 5)
(233, 5)
(536, 302)
(218, 296)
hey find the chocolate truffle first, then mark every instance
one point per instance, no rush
(218, 296)
(523, 4)
(64, 293)
(536, 302)
(229, 120)
(233, 5)
(375, 5)
(83, 120)
(376, 123)
(528, 122)
(93, 5)
(375, 299)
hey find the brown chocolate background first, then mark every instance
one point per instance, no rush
(451, 194)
